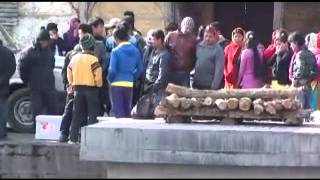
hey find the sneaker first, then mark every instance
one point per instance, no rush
(63, 138)
(71, 142)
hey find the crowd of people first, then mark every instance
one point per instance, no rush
(111, 69)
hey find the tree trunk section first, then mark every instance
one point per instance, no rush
(233, 93)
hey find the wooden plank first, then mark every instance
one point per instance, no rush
(233, 93)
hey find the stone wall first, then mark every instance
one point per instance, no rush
(148, 15)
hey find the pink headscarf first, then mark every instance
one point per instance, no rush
(72, 23)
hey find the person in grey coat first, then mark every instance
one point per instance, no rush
(209, 61)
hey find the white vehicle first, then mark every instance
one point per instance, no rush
(19, 104)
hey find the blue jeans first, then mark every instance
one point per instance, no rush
(3, 117)
(181, 78)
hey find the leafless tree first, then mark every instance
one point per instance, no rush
(83, 9)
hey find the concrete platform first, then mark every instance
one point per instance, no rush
(155, 142)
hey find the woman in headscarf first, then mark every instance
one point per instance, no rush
(232, 54)
(315, 84)
(311, 42)
(71, 37)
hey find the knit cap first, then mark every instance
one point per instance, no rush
(87, 42)
(187, 22)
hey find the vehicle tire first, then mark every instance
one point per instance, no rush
(20, 114)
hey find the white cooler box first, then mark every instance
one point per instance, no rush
(48, 127)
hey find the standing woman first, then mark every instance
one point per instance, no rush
(71, 37)
(232, 54)
(125, 67)
(251, 70)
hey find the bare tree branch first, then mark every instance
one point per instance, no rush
(76, 9)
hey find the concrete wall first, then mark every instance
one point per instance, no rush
(33, 15)
(46, 160)
(302, 16)
(148, 15)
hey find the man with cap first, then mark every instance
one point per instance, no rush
(84, 75)
(182, 44)
(35, 65)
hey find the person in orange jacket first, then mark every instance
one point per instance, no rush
(232, 53)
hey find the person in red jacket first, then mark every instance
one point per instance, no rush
(232, 53)
(267, 54)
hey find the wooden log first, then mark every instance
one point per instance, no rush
(258, 109)
(232, 93)
(185, 103)
(173, 100)
(287, 103)
(233, 103)
(221, 104)
(277, 104)
(270, 108)
(196, 102)
(161, 111)
(208, 101)
(245, 104)
(258, 101)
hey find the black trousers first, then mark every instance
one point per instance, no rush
(105, 100)
(67, 116)
(86, 108)
(3, 116)
(43, 100)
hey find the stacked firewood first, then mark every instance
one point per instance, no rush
(238, 103)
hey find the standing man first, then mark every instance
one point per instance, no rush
(221, 39)
(36, 64)
(210, 61)
(7, 68)
(67, 114)
(130, 13)
(85, 76)
(57, 44)
(98, 32)
(182, 44)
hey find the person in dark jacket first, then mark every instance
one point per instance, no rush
(67, 114)
(209, 61)
(98, 31)
(303, 67)
(280, 60)
(130, 13)
(36, 64)
(57, 43)
(158, 69)
(7, 68)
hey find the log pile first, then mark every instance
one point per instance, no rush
(237, 103)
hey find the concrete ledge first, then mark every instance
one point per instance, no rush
(29, 158)
(153, 141)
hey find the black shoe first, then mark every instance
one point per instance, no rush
(63, 138)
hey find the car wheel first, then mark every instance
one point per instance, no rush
(20, 115)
